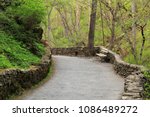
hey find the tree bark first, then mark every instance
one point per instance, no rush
(49, 24)
(92, 25)
(77, 18)
(143, 42)
(134, 26)
(102, 23)
(68, 31)
(112, 32)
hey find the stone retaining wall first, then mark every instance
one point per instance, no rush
(133, 87)
(14, 81)
(75, 51)
(122, 68)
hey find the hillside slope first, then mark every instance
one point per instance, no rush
(20, 33)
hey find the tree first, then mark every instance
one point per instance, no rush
(111, 18)
(102, 23)
(92, 25)
(133, 7)
(120, 25)
(142, 24)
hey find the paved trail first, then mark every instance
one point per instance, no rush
(79, 78)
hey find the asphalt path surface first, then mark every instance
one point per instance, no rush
(79, 78)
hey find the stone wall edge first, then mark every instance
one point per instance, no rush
(15, 81)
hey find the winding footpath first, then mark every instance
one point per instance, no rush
(78, 78)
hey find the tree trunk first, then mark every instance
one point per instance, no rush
(68, 31)
(49, 24)
(102, 23)
(112, 33)
(143, 42)
(92, 25)
(77, 18)
(134, 27)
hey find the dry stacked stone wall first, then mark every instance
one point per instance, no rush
(133, 86)
(75, 51)
(14, 81)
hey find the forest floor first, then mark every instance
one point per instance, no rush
(77, 78)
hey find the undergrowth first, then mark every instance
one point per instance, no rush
(21, 33)
(12, 54)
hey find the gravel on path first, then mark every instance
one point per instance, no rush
(79, 78)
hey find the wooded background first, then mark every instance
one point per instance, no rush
(120, 25)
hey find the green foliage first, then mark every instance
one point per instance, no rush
(4, 4)
(9, 25)
(63, 42)
(69, 23)
(20, 33)
(12, 54)
(4, 62)
(146, 58)
(22, 21)
(147, 85)
(30, 13)
(40, 48)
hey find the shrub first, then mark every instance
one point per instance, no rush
(30, 12)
